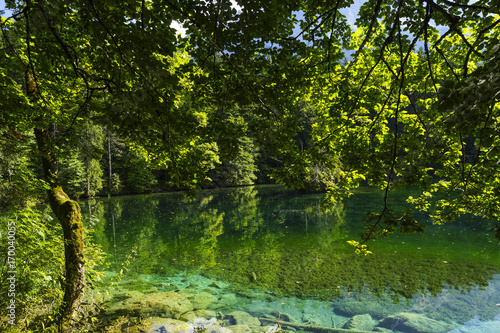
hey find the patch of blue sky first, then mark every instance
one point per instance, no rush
(4, 11)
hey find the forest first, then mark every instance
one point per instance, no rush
(102, 98)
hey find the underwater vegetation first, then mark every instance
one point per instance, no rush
(325, 274)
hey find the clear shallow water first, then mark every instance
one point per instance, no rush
(271, 252)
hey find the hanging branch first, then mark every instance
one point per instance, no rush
(374, 18)
(476, 158)
(4, 29)
(426, 46)
(401, 77)
(331, 37)
(386, 211)
(479, 38)
(381, 56)
(73, 59)
(451, 18)
(454, 4)
(112, 37)
(471, 47)
(323, 17)
(407, 94)
(447, 62)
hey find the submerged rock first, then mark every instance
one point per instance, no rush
(284, 317)
(366, 302)
(240, 329)
(167, 304)
(361, 322)
(477, 326)
(196, 325)
(227, 301)
(414, 323)
(163, 324)
(127, 294)
(198, 314)
(267, 329)
(218, 285)
(382, 330)
(202, 301)
(242, 318)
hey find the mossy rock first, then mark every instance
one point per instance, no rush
(240, 329)
(207, 314)
(367, 303)
(363, 322)
(242, 318)
(202, 300)
(415, 323)
(167, 304)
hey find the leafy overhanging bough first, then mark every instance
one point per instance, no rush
(427, 118)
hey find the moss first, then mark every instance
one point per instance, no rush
(305, 275)
(68, 213)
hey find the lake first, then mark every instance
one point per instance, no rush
(269, 254)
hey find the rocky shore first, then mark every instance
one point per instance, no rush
(193, 303)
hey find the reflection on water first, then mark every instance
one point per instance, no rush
(268, 244)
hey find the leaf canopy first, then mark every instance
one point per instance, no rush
(409, 95)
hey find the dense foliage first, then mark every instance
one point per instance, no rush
(119, 100)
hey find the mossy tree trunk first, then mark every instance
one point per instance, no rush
(68, 213)
(110, 172)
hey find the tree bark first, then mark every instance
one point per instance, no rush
(87, 160)
(68, 213)
(87, 171)
(110, 173)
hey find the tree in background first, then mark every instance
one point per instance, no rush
(92, 142)
(239, 169)
(140, 178)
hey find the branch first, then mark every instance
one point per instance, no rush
(31, 66)
(447, 62)
(426, 46)
(64, 46)
(386, 44)
(451, 18)
(454, 4)
(396, 115)
(328, 14)
(407, 93)
(243, 77)
(471, 47)
(111, 36)
(476, 158)
(480, 34)
(331, 36)
(6, 37)
(376, 11)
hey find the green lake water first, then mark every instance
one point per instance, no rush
(269, 250)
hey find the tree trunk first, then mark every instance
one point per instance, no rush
(87, 171)
(68, 213)
(87, 159)
(110, 173)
